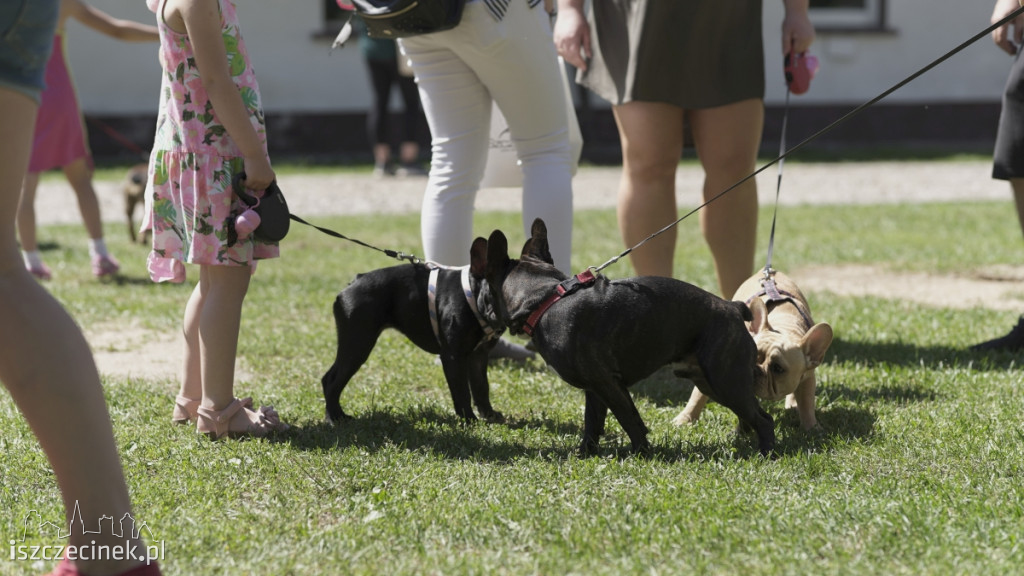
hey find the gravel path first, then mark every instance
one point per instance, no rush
(595, 187)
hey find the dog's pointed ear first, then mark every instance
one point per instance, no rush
(815, 343)
(537, 246)
(478, 257)
(538, 228)
(497, 255)
(760, 314)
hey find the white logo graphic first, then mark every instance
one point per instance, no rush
(126, 527)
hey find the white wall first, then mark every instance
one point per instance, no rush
(857, 67)
(298, 73)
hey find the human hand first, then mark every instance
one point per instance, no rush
(258, 173)
(572, 36)
(797, 32)
(1008, 40)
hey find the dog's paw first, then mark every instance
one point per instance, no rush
(493, 417)
(337, 419)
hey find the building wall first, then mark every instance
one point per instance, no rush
(316, 98)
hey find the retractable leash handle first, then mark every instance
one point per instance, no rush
(799, 70)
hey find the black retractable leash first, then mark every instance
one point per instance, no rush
(817, 134)
(392, 253)
(267, 218)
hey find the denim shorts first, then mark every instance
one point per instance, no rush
(26, 39)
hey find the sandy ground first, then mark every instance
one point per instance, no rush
(132, 351)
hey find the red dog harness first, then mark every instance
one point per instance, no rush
(564, 288)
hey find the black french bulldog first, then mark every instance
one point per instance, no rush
(603, 336)
(398, 297)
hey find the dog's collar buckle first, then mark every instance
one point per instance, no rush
(564, 288)
(581, 280)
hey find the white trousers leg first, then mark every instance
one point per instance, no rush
(459, 73)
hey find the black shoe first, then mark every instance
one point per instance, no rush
(1012, 342)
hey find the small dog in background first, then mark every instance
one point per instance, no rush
(789, 347)
(134, 189)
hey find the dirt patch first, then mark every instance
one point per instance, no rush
(996, 288)
(135, 352)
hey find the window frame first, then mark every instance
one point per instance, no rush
(870, 18)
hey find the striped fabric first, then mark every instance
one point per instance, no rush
(497, 8)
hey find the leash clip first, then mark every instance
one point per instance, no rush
(581, 280)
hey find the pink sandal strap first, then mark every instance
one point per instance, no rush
(259, 423)
(185, 410)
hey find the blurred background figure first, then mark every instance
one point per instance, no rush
(387, 69)
(60, 140)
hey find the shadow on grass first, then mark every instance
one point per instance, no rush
(907, 354)
(426, 429)
(429, 430)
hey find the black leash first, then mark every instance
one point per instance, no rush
(778, 184)
(821, 132)
(392, 253)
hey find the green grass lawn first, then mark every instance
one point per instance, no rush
(918, 470)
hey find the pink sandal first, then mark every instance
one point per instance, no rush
(184, 410)
(66, 568)
(187, 410)
(41, 272)
(237, 419)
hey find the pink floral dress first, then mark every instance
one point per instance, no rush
(191, 206)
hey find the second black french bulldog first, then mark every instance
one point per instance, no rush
(603, 336)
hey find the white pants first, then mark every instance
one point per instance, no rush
(459, 72)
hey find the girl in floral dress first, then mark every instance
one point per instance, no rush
(210, 128)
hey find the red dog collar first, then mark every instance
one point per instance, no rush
(564, 288)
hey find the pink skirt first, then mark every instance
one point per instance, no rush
(60, 136)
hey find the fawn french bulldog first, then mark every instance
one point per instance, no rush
(603, 336)
(789, 346)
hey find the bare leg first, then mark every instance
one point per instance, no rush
(27, 213)
(192, 375)
(727, 139)
(221, 293)
(409, 152)
(381, 155)
(652, 143)
(1017, 184)
(62, 401)
(79, 175)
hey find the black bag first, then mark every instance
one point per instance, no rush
(403, 18)
(275, 220)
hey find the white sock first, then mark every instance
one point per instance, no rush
(33, 259)
(98, 248)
